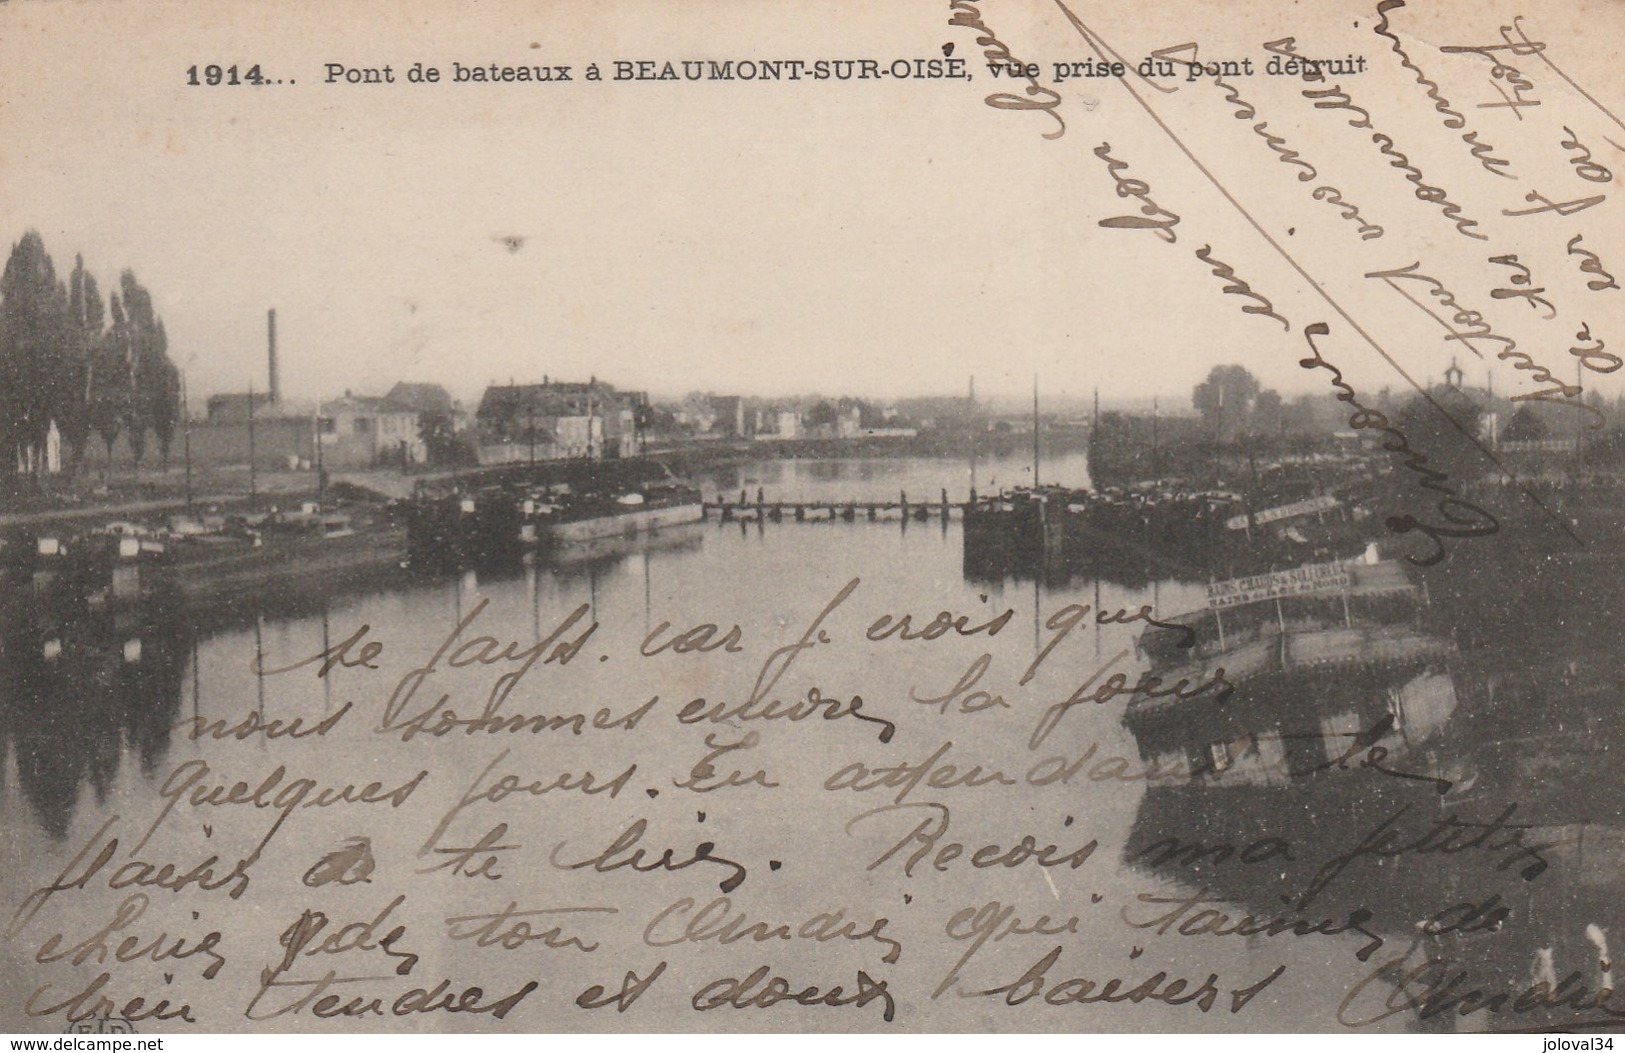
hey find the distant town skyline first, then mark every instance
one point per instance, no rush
(452, 238)
(308, 375)
(760, 239)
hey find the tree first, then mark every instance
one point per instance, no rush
(1303, 416)
(442, 446)
(1524, 426)
(111, 390)
(1607, 450)
(1269, 414)
(86, 317)
(822, 413)
(165, 407)
(1225, 399)
(62, 365)
(1448, 447)
(154, 382)
(137, 323)
(34, 328)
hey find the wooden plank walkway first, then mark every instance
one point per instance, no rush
(802, 511)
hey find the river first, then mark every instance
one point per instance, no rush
(98, 732)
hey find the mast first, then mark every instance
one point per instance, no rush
(253, 471)
(1156, 468)
(321, 467)
(186, 441)
(1035, 431)
(1579, 418)
(971, 423)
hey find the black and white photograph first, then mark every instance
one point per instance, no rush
(736, 517)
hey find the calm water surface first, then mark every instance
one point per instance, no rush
(95, 737)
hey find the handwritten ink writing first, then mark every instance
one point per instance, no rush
(993, 921)
(1462, 518)
(1482, 152)
(906, 776)
(1522, 286)
(1173, 850)
(320, 997)
(1111, 768)
(721, 922)
(703, 776)
(1450, 835)
(1118, 685)
(778, 663)
(1504, 75)
(1245, 110)
(622, 852)
(1235, 286)
(1474, 327)
(1441, 987)
(1332, 196)
(1037, 97)
(439, 719)
(930, 829)
(701, 639)
(1581, 161)
(1335, 98)
(1590, 351)
(159, 948)
(1591, 263)
(300, 938)
(486, 650)
(479, 860)
(887, 626)
(1425, 191)
(961, 695)
(814, 704)
(187, 782)
(1543, 204)
(254, 724)
(1158, 987)
(511, 928)
(337, 655)
(761, 990)
(91, 1002)
(1069, 617)
(509, 785)
(1210, 921)
(632, 988)
(1152, 215)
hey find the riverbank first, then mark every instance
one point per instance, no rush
(158, 495)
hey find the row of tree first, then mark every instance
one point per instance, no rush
(1234, 404)
(88, 367)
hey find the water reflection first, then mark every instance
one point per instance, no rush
(1310, 800)
(1065, 565)
(1442, 799)
(90, 680)
(87, 682)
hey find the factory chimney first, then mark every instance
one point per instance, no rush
(270, 335)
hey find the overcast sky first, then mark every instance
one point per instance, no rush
(762, 238)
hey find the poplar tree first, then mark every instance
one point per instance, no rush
(86, 316)
(111, 391)
(33, 331)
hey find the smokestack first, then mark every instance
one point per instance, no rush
(270, 335)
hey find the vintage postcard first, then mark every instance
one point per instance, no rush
(954, 515)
